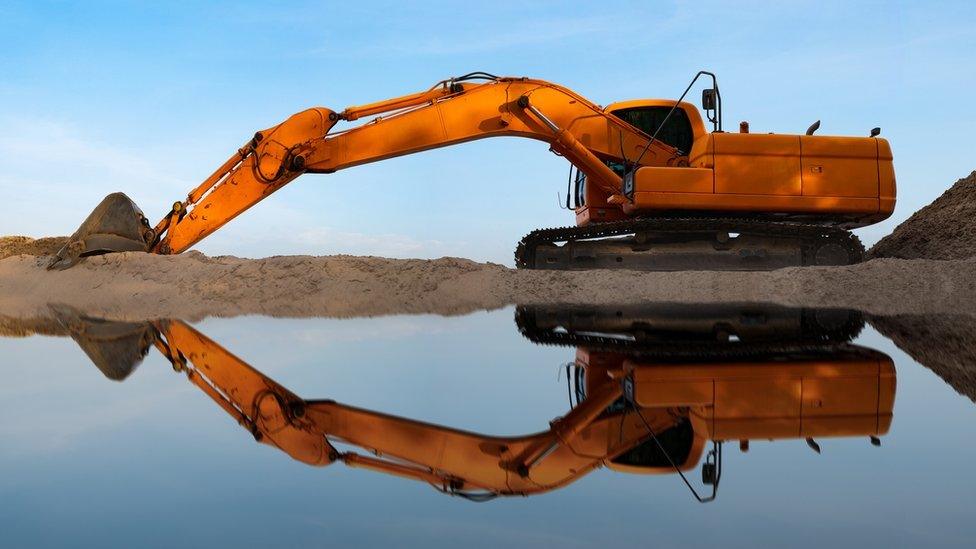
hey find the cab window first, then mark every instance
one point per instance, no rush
(677, 442)
(677, 132)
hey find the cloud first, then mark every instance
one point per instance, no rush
(373, 330)
(54, 173)
(285, 229)
(56, 147)
(47, 430)
(384, 244)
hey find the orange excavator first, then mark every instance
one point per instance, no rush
(651, 187)
(644, 409)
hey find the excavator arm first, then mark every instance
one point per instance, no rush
(467, 108)
(452, 112)
(452, 460)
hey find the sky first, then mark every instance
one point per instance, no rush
(149, 99)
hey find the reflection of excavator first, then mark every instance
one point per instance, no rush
(653, 188)
(739, 371)
(632, 412)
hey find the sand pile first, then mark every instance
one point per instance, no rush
(945, 229)
(135, 286)
(945, 344)
(17, 245)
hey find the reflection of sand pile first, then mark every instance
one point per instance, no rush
(135, 285)
(945, 344)
(945, 229)
(26, 327)
(17, 245)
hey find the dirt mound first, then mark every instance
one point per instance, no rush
(945, 344)
(134, 286)
(945, 229)
(24, 245)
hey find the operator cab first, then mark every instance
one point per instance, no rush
(681, 130)
(647, 116)
(675, 444)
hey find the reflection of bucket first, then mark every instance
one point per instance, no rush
(115, 347)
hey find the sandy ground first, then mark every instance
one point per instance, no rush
(17, 245)
(191, 286)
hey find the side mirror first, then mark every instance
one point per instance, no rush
(709, 474)
(709, 99)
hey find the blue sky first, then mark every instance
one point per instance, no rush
(148, 99)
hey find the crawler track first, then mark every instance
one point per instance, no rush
(680, 243)
(668, 331)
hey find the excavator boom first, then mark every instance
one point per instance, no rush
(453, 460)
(452, 112)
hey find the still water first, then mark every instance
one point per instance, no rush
(808, 427)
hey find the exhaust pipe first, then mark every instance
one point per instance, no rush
(116, 225)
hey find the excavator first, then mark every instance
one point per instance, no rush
(652, 188)
(635, 409)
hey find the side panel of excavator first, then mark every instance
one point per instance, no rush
(818, 398)
(833, 180)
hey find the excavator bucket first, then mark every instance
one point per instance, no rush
(116, 225)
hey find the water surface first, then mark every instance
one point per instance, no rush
(153, 460)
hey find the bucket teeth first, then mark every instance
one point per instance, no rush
(116, 225)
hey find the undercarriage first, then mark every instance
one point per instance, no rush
(687, 331)
(688, 243)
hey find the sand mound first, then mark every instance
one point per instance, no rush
(18, 245)
(133, 286)
(945, 344)
(945, 229)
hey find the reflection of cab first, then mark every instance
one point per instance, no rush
(848, 392)
(722, 372)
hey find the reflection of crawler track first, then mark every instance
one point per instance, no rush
(690, 331)
(670, 244)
